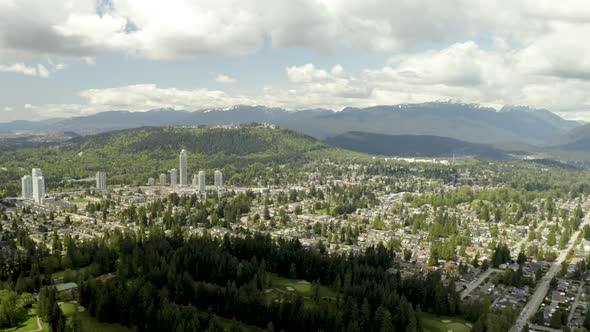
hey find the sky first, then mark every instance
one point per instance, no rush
(78, 57)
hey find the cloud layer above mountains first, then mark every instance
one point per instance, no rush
(531, 52)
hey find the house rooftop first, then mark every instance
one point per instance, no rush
(66, 286)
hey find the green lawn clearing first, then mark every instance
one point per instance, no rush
(30, 324)
(90, 323)
(432, 323)
(302, 287)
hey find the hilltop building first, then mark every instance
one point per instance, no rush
(183, 170)
(101, 180)
(151, 182)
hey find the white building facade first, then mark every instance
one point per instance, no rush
(218, 177)
(183, 168)
(38, 182)
(101, 180)
(173, 177)
(202, 182)
(39, 189)
(27, 187)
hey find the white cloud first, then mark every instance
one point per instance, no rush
(42, 71)
(509, 52)
(20, 68)
(462, 71)
(89, 60)
(183, 29)
(142, 97)
(38, 70)
(221, 78)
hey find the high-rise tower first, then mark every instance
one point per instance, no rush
(218, 177)
(202, 187)
(38, 183)
(183, 170)
(101, 180)
(173, 177)
(27, 187)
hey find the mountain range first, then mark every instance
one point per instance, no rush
(467, 122)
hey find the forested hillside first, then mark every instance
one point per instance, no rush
(131, 156)
(413, 145)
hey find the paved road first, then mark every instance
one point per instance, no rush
(531, 307)
(475, 283)
(573, 310)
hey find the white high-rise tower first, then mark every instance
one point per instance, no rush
(27, 187)
(101, 180)
(218, 177)
(173, 177)
(163, 179)
(202, 187)
(195, 180)
(183, 171)
(38, 183)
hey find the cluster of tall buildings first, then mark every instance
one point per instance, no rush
(180, 177)
(33, 186)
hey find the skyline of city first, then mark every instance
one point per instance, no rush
(33, 186)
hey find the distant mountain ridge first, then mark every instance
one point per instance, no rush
(413, 146)
(577, 139)
(466, 122)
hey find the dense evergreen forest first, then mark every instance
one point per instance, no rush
(164, 283)
(132, 156)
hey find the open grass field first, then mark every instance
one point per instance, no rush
(90, 323)
(30, 324)
(70, 275)
(281, 286)
(432, 323)
(298, 286)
